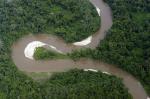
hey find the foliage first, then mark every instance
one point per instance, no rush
(43, 53)
(1, 44)
(69, 19)
(128, 41)
(77, 84)
(22, 17)
(2, 95)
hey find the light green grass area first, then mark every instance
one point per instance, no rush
(39, 77)
(2, 95)
(141, 18)
(43, 53)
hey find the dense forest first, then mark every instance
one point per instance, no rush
(127, 43)
(22, 17)
(77, 84)
(66, 19)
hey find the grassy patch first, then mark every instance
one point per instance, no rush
(43, 53)
(39, 77)
(141, 18)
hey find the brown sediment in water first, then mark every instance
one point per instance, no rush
(25, 64)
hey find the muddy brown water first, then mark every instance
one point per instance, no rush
(27, 65)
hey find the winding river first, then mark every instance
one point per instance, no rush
(27, 65)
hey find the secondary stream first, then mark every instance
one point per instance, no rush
(25, 64)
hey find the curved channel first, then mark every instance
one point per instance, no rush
(27, 65)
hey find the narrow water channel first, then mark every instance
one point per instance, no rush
(25, 64)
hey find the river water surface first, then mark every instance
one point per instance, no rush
(27, 65)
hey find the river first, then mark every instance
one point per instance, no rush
(27, 65)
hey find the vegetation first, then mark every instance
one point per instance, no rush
(22, 17)
(69, 19)
(2, 96)
(128, 41)
(77, 84)
(39, 77)
(43, 53)
(1, 44)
